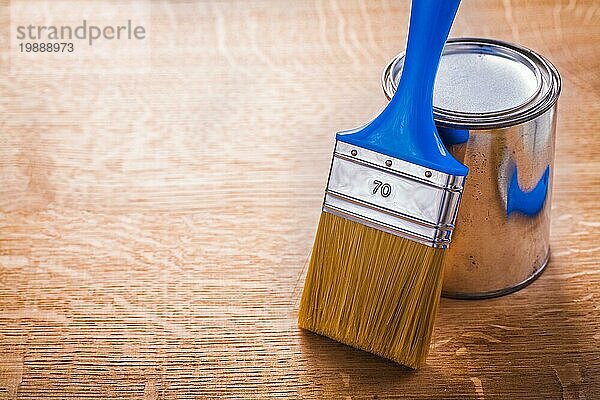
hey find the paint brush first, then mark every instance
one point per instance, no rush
(375, 273)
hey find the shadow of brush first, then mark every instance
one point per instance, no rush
(335, 370)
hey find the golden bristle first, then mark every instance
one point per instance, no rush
(372, 290)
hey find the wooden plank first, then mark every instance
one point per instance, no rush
(155, 226)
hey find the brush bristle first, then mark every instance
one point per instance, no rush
(372, 290)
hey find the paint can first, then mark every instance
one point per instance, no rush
(495, 108)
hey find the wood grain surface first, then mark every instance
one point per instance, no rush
(155, 226)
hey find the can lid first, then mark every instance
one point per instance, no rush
(485, 83)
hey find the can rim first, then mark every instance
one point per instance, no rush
(544, 98)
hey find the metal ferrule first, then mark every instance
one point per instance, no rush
(392, 195)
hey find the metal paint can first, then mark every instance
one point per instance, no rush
(495, 108)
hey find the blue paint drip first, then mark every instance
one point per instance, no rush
(452, 136)
(531, 202)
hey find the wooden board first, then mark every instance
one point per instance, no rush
(155, 226)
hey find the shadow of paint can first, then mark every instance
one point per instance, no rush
(495, 109)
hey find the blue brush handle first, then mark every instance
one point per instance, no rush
(405, 129)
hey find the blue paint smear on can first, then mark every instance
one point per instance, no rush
(527, 202)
